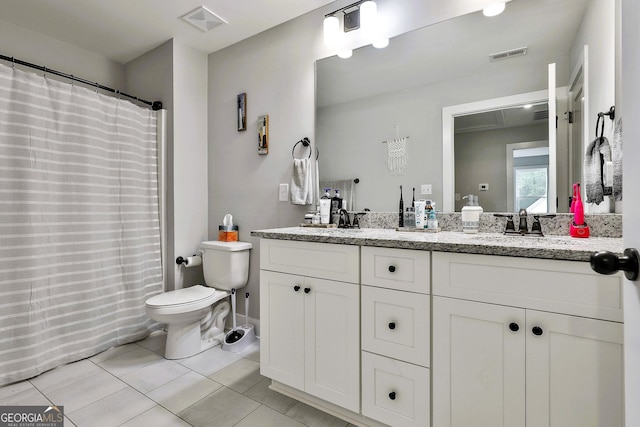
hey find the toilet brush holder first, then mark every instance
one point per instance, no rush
(239, 338)
(247, 337)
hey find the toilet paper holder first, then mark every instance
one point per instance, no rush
(190, 261)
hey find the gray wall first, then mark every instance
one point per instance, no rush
(480, 157)
(276, 70)
(177, 75)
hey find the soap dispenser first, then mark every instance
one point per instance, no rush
(471, 214)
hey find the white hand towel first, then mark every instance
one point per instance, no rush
(301, 189)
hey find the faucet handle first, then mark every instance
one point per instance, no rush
(510, 226)
(536, 227)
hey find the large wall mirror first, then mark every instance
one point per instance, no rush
(401, 91)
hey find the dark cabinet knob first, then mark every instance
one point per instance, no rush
(392, 395)
(514, 327)
(537, 330)
(392, 325)
(609, 263)
(307, 290)
(392, 269)
(296, 288)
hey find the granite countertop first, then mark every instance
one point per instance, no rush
(547, 247)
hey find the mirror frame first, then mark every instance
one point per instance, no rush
(448, 160)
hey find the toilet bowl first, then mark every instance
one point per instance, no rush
(195, 316)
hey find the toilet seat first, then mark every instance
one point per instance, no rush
(184, 300)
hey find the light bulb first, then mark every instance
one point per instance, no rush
(331, 28)
(345, 54)
(380, 42)
(369, 17)
(494, 10)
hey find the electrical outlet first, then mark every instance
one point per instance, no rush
(425, 189)
(457, 197)
(483, 187)
(283, 192)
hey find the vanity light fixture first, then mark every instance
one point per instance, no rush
(360, 15)
(494, 9)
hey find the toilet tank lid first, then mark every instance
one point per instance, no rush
(226, 246)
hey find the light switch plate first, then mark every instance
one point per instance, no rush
(483, 187)
(425, 189)
(283, 193)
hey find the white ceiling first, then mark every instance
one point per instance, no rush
(122, 30)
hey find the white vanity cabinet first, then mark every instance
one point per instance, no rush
(396, 312)
(310, 319)
(525, 342)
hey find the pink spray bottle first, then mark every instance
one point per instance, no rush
(578, 227)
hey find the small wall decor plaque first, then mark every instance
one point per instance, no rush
(263, 134)
(242, 112)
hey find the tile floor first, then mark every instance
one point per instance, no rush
(134, 386)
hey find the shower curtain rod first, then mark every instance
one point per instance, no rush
(156, 105)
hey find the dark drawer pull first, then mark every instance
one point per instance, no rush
(392, 269)
(296, 288)
(537, 330)
(514, 327)
(307, 290)
(392, 395)
(392, 325)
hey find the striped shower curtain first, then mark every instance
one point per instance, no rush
(79, 222)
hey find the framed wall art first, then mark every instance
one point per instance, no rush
(242, 112)
(263, 134)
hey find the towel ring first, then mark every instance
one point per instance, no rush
(305, 142)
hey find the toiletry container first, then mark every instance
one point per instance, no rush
(410, 217)
(336, 205)
(471, 214)
(432, 222)
(420, 205)
(325, 207)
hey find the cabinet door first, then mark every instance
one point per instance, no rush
(574, 371)
(282, 328)
(478, 366)
(332, 342)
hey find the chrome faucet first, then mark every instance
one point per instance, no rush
(523, 227)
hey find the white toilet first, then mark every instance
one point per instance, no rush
(194, 323)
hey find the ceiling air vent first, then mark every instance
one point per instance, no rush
(203, 19)
(541, 115)
(508, 54)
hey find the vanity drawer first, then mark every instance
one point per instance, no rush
(402, 269)
(394, 392)
(396, 324)
(323, 260)
(568, 287)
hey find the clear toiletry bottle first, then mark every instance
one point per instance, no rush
(325, 207)
(471, 214)
(410, 217)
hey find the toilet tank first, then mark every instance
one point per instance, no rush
(225, 264)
